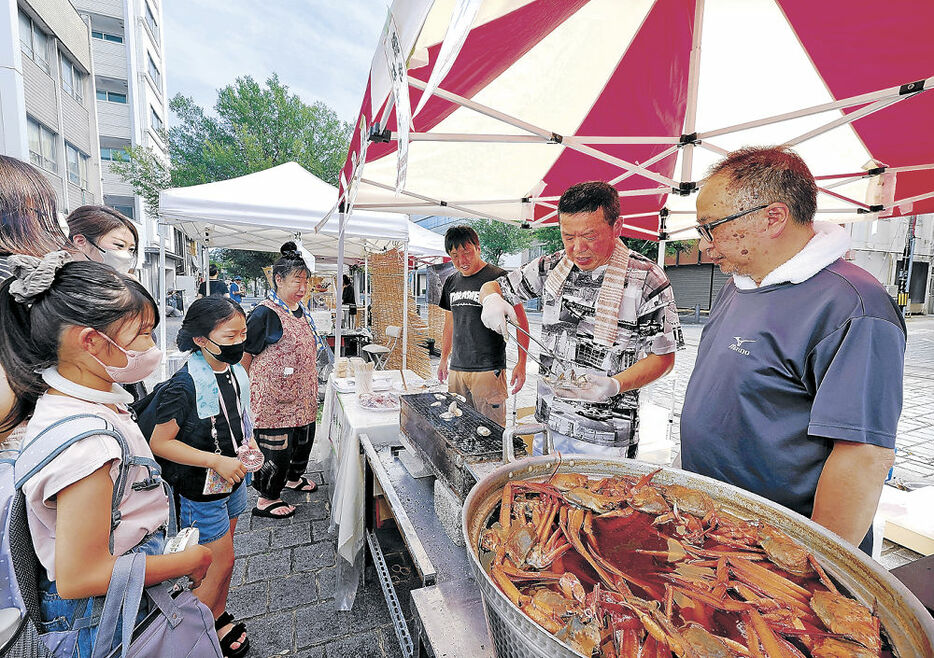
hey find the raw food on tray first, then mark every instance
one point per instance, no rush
(379, 401)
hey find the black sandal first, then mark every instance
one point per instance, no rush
(236, 631)
(304, 482)
(267, 511)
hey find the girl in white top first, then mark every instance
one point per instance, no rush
(71, 332)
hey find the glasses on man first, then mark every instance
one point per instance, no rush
(705, 229)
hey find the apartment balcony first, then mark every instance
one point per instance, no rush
(112, 8)
(109, 59)
(113, 119)
(113, 184)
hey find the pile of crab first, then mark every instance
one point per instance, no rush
(619, 567)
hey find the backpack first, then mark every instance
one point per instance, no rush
(17, 554)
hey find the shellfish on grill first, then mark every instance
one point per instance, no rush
(483, 430)
(454, 410)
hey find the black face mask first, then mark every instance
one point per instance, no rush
(229, 353)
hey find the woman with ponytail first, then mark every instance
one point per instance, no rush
(281, 351)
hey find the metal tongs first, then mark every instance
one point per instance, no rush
(544, 349)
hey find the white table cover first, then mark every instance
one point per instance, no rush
(337, 450)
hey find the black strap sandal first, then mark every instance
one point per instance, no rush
(233, 635)
(304, 482)
(268, 511)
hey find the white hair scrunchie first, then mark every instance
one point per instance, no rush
(33, 276)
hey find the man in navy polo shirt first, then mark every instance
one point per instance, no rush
(797, 388)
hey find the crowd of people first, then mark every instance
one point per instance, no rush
(795, 396)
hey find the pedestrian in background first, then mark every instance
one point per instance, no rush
(236, 290)
(218, 287)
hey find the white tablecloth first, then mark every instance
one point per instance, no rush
(337, 449)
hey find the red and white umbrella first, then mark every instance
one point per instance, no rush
(527, 97)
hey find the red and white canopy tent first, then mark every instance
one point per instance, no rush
(523, 98)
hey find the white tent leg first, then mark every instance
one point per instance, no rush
(206, 264)
(366, 288)
(163, 374)
(405, 306)
(338, 284)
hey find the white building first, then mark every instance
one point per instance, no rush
(47, 109)
(128, 49)
(879, 247)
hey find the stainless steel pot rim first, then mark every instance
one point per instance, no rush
(727, 495)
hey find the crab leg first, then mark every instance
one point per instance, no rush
(822, 574)
(770, 641)
(505, 508)
(509, 589)
(521, 574)
(768, 579)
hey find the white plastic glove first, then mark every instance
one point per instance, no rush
(597, 389)
(495, 312)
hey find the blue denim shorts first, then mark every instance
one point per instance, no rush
(74, 622)
(212, 519)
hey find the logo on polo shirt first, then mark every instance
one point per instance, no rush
(738, 345)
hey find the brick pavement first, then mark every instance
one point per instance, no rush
(285, 571)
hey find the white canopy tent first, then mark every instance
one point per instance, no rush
(261, 211)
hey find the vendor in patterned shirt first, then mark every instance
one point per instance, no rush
(608, 313)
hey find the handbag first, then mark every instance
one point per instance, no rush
(178, 624)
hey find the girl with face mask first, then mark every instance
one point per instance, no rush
(71, 332)
(200, 429)
(104, 235)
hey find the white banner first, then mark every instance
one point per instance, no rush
(462, 17)
(395, 59)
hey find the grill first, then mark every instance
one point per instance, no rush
(451, 446)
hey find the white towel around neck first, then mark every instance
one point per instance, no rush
(829, 243)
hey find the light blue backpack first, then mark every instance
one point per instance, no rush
(178, 623)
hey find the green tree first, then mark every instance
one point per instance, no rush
(254, 127)
(550, 239)
(248, 264)
(498, 239)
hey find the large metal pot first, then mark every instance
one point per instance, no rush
(908, 626)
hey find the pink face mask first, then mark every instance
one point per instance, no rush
(139, 365)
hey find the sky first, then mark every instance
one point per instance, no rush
(321, 49)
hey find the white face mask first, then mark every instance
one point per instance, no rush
(120, 260)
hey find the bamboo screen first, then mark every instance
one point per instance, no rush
(387, 289)
(436, 324)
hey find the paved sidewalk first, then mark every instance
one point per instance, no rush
(285, 571)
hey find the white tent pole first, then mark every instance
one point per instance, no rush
(339, 289)
(497, 138)
(206, 263)
(163, 372)
(569, 142)
(841, 121)
(690, 115)
(471, 212)
(648, 163)
(366, 287)
(649, 191)
(405, 306)
(862, 99)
